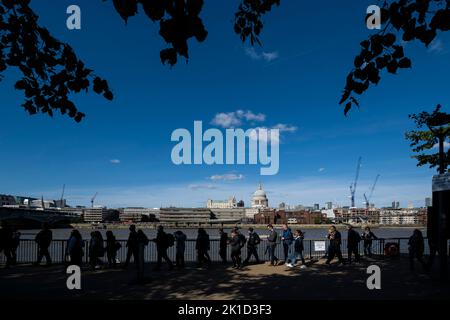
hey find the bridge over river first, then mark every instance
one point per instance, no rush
(25, 218)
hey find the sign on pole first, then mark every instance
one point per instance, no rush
(319, 246)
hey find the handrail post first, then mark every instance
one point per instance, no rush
(310, 250)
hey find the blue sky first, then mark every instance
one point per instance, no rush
(122, 148)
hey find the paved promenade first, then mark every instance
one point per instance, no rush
(318, 281)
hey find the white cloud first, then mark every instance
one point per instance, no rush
(321, 169)
(201, 186)
(114, 161)
(236, 118)
(227, 177)
(285, 127)
(266, 56)
(437, 46)
(446, 145)
(270, 56)
(250, 116)
(256, 134)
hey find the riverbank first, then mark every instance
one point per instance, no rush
(117, 226)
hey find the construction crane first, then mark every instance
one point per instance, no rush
(353, 185)
(93, 199)
(371, 192)
(62, 196)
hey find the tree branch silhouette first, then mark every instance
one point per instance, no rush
(405, 20)
(50, 69)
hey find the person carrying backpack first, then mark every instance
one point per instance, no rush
(252, 245)
(43, 240)
(162, 244)
(236, 245)
(353, 239)
(181, 247)
(202, 246)
(112, 246)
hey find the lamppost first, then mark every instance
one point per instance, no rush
(439, 127)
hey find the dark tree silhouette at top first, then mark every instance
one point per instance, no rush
(179, 20)
(437, 130)
(51, 71)
(403, 20)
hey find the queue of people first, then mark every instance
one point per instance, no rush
(292, 247)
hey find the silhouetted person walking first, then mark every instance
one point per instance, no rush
(181, 238)
(287, 239)
(334, 248)
(132, 247)
(112, 246)
(162, 244)
(142, 241)
(252, 245)
(75, 248)
(6, 243)
(96, 250)
(236, 246)
(272, 244)
(14, 246)
(368, 236)
(353, 239)
(43, 240)
(416, 248)
(202, 246)
(223, 242)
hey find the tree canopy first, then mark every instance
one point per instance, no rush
(51, 70)
(403, 21)
(431, 127)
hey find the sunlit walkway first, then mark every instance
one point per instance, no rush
(318, 281)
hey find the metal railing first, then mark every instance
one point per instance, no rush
(27, 250)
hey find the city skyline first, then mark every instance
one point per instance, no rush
(122, 148)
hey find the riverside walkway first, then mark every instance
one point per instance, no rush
(317, 281)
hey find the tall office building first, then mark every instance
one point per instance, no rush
(428, 202)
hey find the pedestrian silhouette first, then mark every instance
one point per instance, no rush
(75, 246)
(112, 246)
(416, 248)
(132, 247)
(353, 239)
(252, 245)
(44, 239)
(236, 245)
(96, 250)
(180, 237)
(163, 242)
(334, 248)
(6, 243)
(223, 243)
(298, 250)
(287, 239)
(202, 246)
(368, 236)
(143, 241)
(272, 244)
(15, 246)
